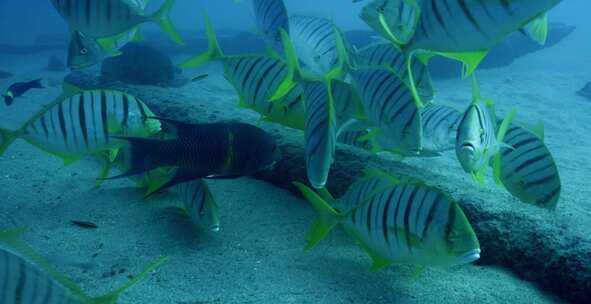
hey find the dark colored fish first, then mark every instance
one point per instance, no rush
(84, 224)
(18, 89)
(214, 150)
(199, 77)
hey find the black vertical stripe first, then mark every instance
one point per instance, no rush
(44, 125)
(140, 106)
(87, 11)
(395, 223)
(74, 137)
(451, 219)
(104, 116)
(470, 17)
(125, 111)
(407, 215)
(20, 285)
(385, 216)
(62, 122)
(368, 218)
(82, 118)
(109, 13)
(431, 213)
(93, 112)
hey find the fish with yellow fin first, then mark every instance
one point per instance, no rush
(82, 122)
(27, 278)
(396, 222)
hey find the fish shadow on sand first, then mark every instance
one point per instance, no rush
(359, 284)
(585, 91)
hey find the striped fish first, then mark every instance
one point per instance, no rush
(81, 123)
(357, 134)
(271, 15)
(472, 25)
(528, 170)
(387, 55)
(199, 204)
(107, 18)
(478, 138)
(320, 132)
(315, 42)
(195, 195)
(27, 279)
(346, 101)
(398, 222)
(394, 20)
(440, 126)
(390, 106)
(255, 78)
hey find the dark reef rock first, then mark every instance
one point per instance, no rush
(55, 64)
(84, 80)
(586, 91)
(142, 64)
(515, 46)
(5, 74)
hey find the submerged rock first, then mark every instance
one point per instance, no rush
(142, 64)
(585, 91)
(5, 74)
(55, 64)
(84, 80)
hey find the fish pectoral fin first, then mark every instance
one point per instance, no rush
(471, 60)
(478, 176)
(180, 176)
(497, 170)
(378, 261)
(537, 29)
(68, 160)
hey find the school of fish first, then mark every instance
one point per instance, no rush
(379, 98)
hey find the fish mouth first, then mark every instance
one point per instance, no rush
(469, 256)
(214, 228)
(468, 146)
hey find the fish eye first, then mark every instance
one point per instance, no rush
(84, 51)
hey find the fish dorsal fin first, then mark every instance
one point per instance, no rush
(537, 29)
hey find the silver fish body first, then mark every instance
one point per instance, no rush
(83, 123)
(528, 170)
(407, 222)
(319, 133)
(440, 126)
(472, 25)
(315, 42)
(25, 283)
(390, 106)
(101, 18)
(387, 55)
(476, 139)
(271, 16)
(199, 204)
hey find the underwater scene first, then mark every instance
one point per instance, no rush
(283, 151)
